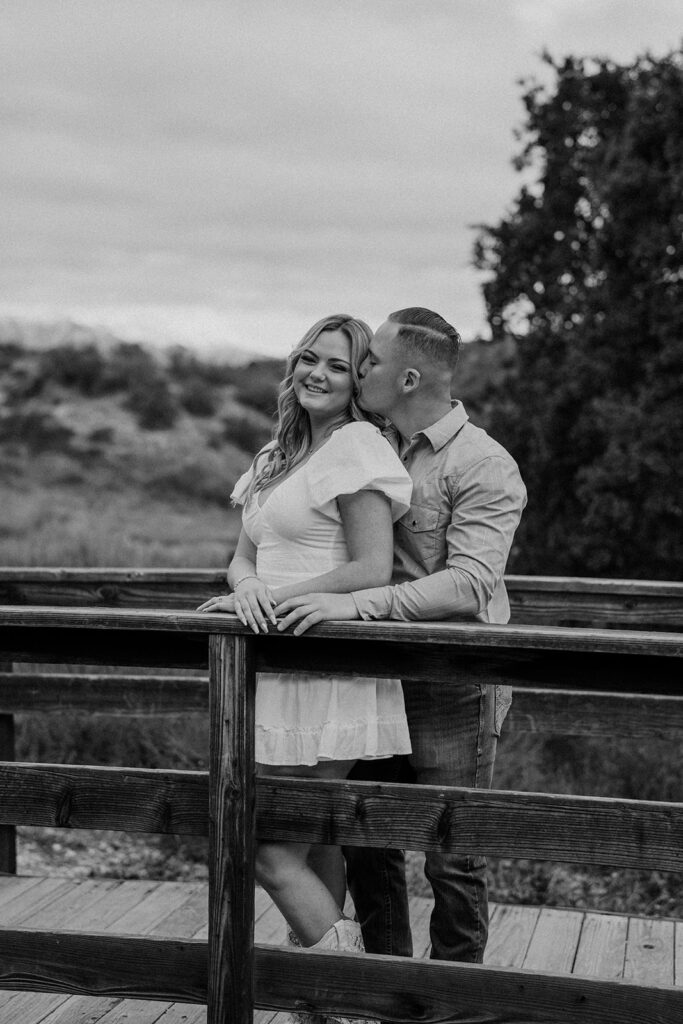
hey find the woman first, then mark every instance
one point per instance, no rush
(318, 505)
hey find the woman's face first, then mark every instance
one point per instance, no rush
(322, 379)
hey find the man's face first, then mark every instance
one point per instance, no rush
(381, 372)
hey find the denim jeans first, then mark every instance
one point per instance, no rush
(453, 731)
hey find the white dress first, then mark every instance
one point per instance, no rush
(297, 530)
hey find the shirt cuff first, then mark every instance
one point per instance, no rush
(374, 603)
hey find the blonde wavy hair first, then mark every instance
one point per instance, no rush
(292, 432)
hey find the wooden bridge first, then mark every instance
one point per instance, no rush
(106, 951)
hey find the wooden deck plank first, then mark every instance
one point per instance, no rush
(650, 951)
(510, 933)
(138, 1011)
(554, 941)
(29, 1007)
(150, 912)
(542, 939)
(65, 910)
(37, 898)
(12, 887)
(602, 947)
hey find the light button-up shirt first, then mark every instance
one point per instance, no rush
(451, 547)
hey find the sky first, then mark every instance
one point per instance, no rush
(225, 172)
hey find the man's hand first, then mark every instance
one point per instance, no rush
(311, 608)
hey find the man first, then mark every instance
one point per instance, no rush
(451, 548)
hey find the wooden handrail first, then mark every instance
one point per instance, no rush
(541, 600)
(631, 831)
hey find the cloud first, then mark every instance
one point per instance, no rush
(251, 161)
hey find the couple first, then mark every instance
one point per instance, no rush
(377, 499)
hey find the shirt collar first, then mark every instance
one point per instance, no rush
(438, 434)
(444, 430)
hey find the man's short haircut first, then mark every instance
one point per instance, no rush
(426, 333)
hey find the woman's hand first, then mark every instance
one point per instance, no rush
(222, 603)
(254, 603)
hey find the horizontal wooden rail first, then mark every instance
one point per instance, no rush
(569, 601)
(585, 830)
(387, 988)
(566, 712)
(132, 967)
(100, 693)
(561, 658)
(458, 634)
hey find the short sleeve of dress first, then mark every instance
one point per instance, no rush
(239, 491)
(358, 458)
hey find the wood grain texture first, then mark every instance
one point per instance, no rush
(467, 635)
(554, 942)
(8, 839)
(577, 713)
(584, 713)
(650, 952)
(102, 693)
(434, 991)
(103, 965)
(552, 600)
(511, 929)
(602, 946)
(232, 812)
(632, 669)
(388, 988)
(590, 830)
(79, 796)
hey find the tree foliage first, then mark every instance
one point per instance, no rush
(586, 280)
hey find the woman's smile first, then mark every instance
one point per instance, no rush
(322, 378)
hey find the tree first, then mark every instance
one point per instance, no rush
(586, 280)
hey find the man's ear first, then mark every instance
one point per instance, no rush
(411, 379)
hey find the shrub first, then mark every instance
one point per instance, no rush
(38, 431)
(257, 384)
(197, 397)
(74, 366)
(152, 403)
(128, 364)
(248, 432)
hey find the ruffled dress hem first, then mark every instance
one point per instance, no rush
(333, 741)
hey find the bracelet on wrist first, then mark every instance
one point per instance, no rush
(247, 576)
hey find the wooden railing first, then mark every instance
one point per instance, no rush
(534, 600)
(228, 972)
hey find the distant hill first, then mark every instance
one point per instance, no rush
(41, 334)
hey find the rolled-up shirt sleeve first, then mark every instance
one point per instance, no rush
(487, 500)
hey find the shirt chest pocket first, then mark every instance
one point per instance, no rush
(418, 530)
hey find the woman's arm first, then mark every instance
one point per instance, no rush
(243, 562)
(252, 600)
(368, 530)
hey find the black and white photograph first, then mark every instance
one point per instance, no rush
(341, 512)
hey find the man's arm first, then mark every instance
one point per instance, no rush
(488, 499)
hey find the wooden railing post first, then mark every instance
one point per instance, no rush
(8, 833)
(232, 814)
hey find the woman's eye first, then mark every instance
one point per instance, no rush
(307, 357)
(341, 368)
